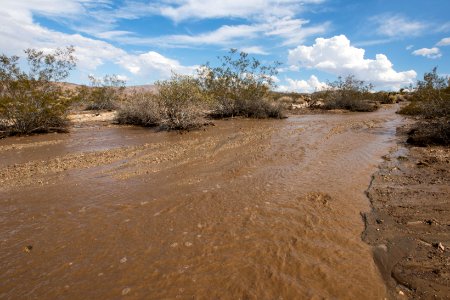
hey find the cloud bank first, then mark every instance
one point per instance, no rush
(337, 56)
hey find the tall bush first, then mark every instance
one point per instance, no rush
(33, 100)
(240, 86)
(182, 102)
(430, 97)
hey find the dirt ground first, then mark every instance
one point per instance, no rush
(409, 226)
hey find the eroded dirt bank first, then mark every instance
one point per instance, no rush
(245, 209)
(410, 223)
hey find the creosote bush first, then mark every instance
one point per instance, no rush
(33, 101)
(431, 101)
(141, 109)
(431, 97)
(103, 93)
(182, 102)
(240, 87)
(179, 104)
(348, 93)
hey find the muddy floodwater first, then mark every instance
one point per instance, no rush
(246, 209)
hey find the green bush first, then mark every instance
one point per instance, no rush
(103, 93)
(182, 102)
(431, 97)
(33, 101)
(240, 87)
(348, 93)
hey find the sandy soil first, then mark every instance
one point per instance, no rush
(409, 226)
(89, 116)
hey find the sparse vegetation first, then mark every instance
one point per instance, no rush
(179, 104)
(33, 101)
(103, 93)
(240, 87)
(140, 109)
(347, 93)
(431, 101)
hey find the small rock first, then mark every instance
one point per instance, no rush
(123, 260)
(125, 291)
(28, 248)
(401, 293)
(174, 245)
(188, 244)
(439, 246)
(429, 222)
(380, 221)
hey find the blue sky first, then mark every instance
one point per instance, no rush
(388, 43)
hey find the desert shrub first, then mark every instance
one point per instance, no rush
(431, 97)
(430, 132)
(33, 101)
(383, 97)
(348, 93)
(103, 93)
(182, 102)
(430, 100)
(141, 109)
(239, 86)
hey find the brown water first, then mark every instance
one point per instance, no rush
(246, 209)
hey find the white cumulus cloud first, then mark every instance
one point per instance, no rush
(428, 52)
(19, 31)
(336, 56)
(313, 84)
(151, 62)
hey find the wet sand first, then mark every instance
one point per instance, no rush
(246, 209)
(409, 226)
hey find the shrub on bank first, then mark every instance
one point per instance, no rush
(34, 101)
(140, 109)
(182, 102)
(430, 100)
(178, 104)
(240, 87)
(103, 93)
(431, 97)
(348, 93)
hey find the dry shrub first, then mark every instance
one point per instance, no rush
(32, 101)
(430, 132)
(179, 104)
(140, 109)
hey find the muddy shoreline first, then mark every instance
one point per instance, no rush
(409, 225)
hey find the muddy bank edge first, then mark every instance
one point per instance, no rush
(409, 225)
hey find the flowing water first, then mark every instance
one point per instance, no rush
(247, 209)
